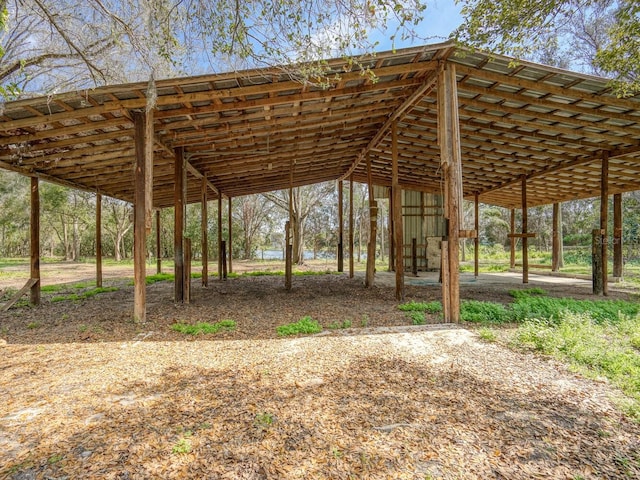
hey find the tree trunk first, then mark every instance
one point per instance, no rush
(298, 241)
(76, 240)
(65, 239)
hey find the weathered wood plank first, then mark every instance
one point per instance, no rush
(204, 231)
(617, 235)
(396, 192)
(178, 225)
(604, 219)
(27, 286)
(98, 240)
(34, 243)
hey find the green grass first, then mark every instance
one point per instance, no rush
(338, 325)
(306, 325)
(527, 292)
(487, 334)
(417, 318)
(484, 312)
(428, 307)
(262, 273)
(264, 420)
(51, 288)
(552, 308)
(204, 327)
(592, 346)
(81, 296)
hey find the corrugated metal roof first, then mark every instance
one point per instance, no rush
(257, 130)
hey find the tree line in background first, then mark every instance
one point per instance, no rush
(68, 223)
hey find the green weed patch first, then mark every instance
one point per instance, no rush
(81, 296)
(305, 325)
(204, 327)
(484, 312)
(427, 307)
(594, 347)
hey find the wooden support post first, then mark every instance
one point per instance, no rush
(178, 224)
(604, 219)
(392, 255)
(444, 279)
(220, 236)
(451, 158)
(525, 238)
(351, 227)
(34, 244)
(596, 261)
(556, 238)
(230, 234)
(188, 252)
(397, 213)
(204, 231)
(142, 207)
(288, 260)
(414, 257)
(476, 240)
(340, 229)
(512, 239)
(158, 245)
(98, 240)
(223, 248)
(373, 229)
(371, 246)
(617, 235)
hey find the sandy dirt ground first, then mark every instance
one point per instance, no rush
(87, 393)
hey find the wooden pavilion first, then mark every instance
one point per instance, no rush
(431, 119)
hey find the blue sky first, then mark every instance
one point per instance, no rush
(440, 18)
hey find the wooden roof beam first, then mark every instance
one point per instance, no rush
(415, 97)
(612, 154)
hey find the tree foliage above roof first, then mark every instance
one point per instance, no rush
(95, 42)
(520, 27)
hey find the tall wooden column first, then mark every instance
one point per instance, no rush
(476, 241)
(34, 245)
(98, 240)
(617, 235)
(373, 224)
(142, 207)
(397, 213)
(158, 244)
(451, 159)
(351, 227)
(220, 236)
(525, 238)
(230, 235)
(392, 250)
(604, 217)
(204, 231)
(512, 239)
(179, 199)
(340, 229)
(556, 238)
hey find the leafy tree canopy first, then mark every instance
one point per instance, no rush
(102, 41)
(519, 28)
